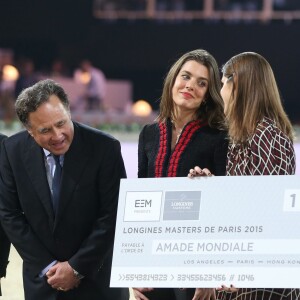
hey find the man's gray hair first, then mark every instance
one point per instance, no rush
(31, 98)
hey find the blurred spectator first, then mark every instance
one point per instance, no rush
(95, 85)
(59, 69)
(27, 77)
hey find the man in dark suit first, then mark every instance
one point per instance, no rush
(65, 242)
(4, 252)
(4, 243)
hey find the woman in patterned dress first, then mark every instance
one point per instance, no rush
(189, 131)
(261, 139)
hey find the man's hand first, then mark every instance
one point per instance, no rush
(61, 277)
(138, 293)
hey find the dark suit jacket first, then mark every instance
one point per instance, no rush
(4, 242)
(82, 231)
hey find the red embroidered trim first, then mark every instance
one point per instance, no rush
(162, 151)
(184, 140)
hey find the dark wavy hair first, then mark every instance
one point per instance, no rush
(212, 110)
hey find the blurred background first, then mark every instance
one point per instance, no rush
(134, 42)
(111, 57)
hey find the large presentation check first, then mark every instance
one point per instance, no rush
(205, 232)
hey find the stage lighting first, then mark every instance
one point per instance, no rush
(141, 108)
(9, 73)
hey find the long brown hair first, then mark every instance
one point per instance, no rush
(254, 96)
(212, 110)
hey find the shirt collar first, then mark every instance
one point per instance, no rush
(61, 157)
(46, 152)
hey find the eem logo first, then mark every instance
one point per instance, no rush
(182, 205)
(143, 206)
(143, 203)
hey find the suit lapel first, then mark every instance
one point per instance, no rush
(74, 163)
(35, 166)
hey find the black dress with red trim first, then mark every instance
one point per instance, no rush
(198, 145)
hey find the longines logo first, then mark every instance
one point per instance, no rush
(182, 205)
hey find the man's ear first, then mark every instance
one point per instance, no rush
(29, 130)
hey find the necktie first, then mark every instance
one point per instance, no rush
(56, 182)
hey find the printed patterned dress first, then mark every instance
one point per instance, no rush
(268, 152)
